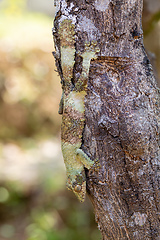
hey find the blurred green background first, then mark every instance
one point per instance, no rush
(34, 203)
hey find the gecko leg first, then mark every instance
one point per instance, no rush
(84, 158)
(61, 104)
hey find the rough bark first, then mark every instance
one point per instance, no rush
(121, 116)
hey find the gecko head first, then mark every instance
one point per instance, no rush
(78, 186)
(80, 191)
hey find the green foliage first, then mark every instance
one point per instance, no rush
(61, 224)
(151, 23)
(52, 216)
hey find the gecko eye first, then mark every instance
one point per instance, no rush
(77, 188)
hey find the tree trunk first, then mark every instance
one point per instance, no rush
(121, 128)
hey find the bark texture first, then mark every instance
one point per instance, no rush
(121, 116)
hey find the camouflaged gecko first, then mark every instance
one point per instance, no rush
(73, 110)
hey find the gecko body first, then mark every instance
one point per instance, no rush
(73, 110)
